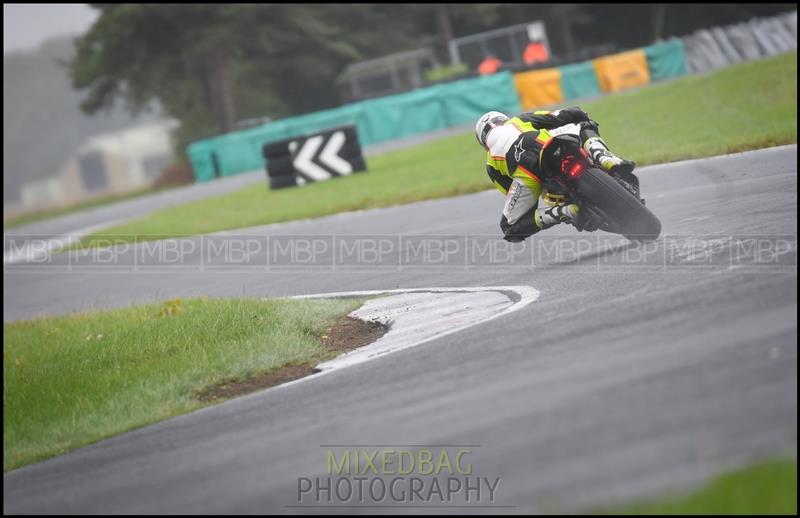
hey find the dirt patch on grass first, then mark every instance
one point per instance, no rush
(351, 333)
(344, 335)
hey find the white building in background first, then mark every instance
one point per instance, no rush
(111, 163)
(47, 191)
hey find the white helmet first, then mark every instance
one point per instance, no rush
(486, 123)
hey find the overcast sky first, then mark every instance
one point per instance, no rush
(26, 26)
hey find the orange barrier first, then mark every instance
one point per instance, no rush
(620, 71)
(539, 88)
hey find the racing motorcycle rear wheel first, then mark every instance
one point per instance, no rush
(617, 210)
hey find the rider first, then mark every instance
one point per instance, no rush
(514, 148)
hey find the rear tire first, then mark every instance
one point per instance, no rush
(625, 214)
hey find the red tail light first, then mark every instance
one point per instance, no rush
(572, 167)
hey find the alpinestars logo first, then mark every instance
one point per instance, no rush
(518, 150)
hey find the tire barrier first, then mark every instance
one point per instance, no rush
(718, 47)
(313, 158)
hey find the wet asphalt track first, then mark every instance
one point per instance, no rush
(637, 371)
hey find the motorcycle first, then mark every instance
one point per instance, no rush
(608, 202)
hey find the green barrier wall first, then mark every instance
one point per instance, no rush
(377, 120)
(411, 113)
(666, 59)
(468, 99)
(579, 80)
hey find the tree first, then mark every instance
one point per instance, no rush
(189, 57)
(163, 52)
(208, 63)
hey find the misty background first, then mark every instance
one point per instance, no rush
(300, 51)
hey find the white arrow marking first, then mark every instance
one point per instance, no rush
(292, 148)
(303, 161)
(330, 154)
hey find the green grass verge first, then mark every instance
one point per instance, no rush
(766, 488)
(41, 215)
(72, 380)
(747, 106)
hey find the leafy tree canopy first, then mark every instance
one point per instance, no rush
(209, 65)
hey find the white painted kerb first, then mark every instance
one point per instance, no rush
(419, 315)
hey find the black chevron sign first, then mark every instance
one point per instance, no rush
(314, 158)
(317, 158)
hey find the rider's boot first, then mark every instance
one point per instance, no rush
(550, 216)
(620, 168)
(603, 156)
